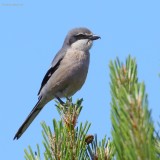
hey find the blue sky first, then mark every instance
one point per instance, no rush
(32, 32)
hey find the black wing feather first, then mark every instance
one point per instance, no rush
(49, 74)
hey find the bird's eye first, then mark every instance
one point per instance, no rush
(79, 35)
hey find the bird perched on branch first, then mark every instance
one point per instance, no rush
(67, 73)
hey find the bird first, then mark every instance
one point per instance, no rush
(67, 73)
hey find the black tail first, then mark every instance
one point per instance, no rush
(38, 107)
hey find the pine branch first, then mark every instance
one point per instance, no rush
(69, 142)
(131, 120)
(158, 142)
(104, 150)
(66, 141)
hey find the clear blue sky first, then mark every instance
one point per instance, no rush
(33, 31)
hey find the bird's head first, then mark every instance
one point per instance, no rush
(80, 39)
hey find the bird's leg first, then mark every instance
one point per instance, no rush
(69, 99)
(60, 101)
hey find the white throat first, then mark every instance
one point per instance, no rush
(82, 44)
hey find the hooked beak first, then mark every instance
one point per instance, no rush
(94, 37)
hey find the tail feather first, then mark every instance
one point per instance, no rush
(35, 111)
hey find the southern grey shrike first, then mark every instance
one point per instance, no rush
(67, 73)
